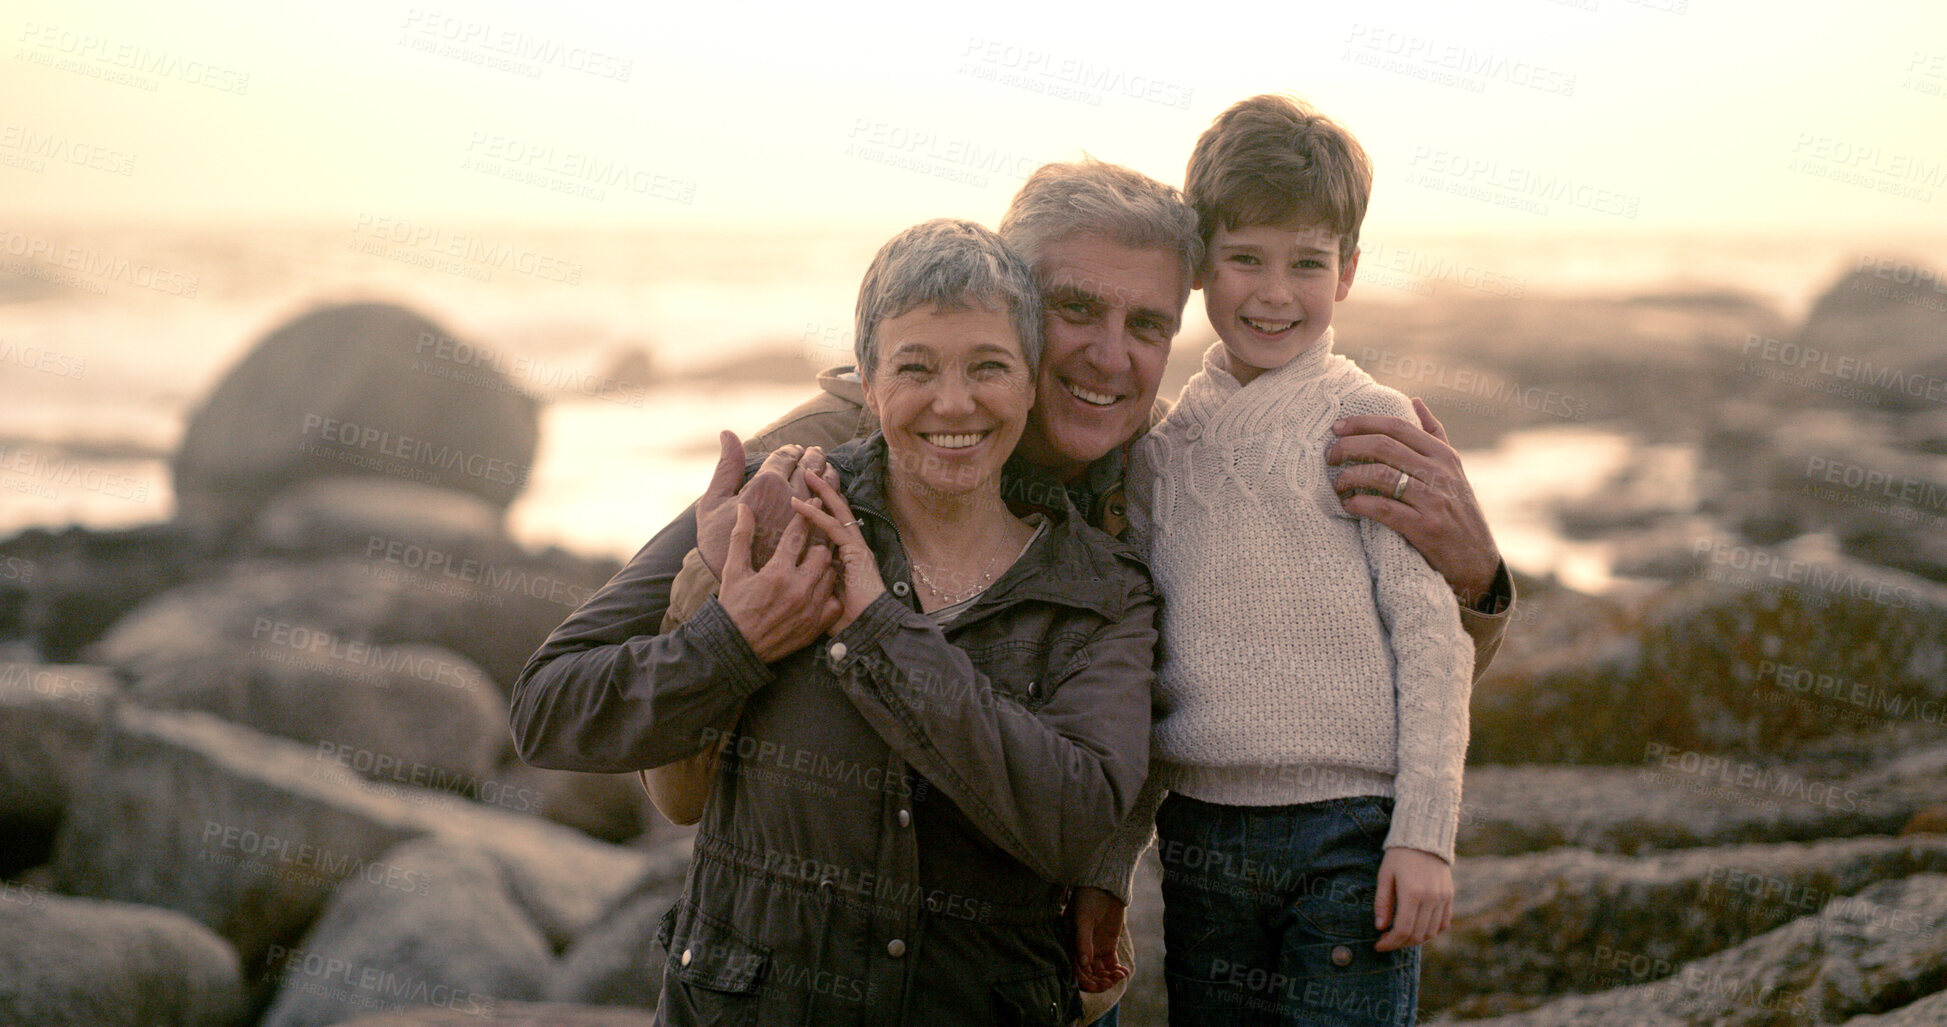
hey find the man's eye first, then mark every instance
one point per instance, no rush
(1075, 310)
(913, 369)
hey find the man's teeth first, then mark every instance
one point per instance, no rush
(1269, 327)
(960, 441)
(1100, 399)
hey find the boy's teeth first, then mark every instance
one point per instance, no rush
(1269, 327)
(959, 441)
(1100, 399)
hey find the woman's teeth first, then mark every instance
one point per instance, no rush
(959, 441)
(1100, 399)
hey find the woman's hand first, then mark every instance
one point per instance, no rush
(859, 570)
(786, 604)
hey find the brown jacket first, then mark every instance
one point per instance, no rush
(886, 839)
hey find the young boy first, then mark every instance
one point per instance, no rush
(1311, 704)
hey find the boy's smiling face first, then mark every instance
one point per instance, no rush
(1269, 291)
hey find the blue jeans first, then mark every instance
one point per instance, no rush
(1268, 916)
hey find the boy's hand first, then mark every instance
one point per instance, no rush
(1415, 902)
(1097, 919)
(1437, 513)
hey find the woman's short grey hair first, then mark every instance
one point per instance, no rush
(1097, 198)
(952, 264)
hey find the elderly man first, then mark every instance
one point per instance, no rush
(1114, 252)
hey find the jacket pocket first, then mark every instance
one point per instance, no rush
(713, 974)
(1045, 998)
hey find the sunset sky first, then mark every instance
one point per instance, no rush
(1516, 116)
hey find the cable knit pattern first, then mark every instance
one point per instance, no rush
(1307, 654)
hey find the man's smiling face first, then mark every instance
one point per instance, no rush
(1111, 311)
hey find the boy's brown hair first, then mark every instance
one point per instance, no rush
(1273, 160)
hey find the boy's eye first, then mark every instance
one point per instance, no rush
(1243, 258)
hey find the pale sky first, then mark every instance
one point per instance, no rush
(1523, 115)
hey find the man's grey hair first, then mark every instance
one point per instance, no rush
(1094, 197)
(956, 265)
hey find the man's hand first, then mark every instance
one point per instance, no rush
(1096, 917)
(1415, 902)
(785, 605)
(1437, 512)
(768, 494)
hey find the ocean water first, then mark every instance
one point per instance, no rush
(109, 336)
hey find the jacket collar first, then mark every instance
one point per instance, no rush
(1071, 563)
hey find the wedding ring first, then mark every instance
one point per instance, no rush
(855, 520)
(1400, 488)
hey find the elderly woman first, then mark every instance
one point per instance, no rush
(898, 803)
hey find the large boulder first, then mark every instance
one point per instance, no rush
(1564, 921)
(412, 714)
(442, 930)
(1879, 950)
(60, 590)
(1928, 1012)
(617, 962)
(50, 716)
(1876, 339)
(106, 964)
(361, 389)
(494, 614)
(250, 834)
(331, 516)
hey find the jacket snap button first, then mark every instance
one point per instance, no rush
(827, 886)
(895, 948)
(901, 589)
(1032, 688)
(1341, 956)
(686, 957)
(838, 651)
(905, 818)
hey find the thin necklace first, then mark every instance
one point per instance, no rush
(945, 597)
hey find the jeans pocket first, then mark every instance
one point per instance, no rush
(1346, 982)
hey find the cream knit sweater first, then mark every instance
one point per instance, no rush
(1307, 654)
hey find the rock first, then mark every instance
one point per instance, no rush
(77, 961)
(329, 516)
(439, 930)
(1880, 333)
(361, 389)
(493, 614)
(509, 1014)
(1928, 1012)
(1741, 667)
(1881, 949)
(612, 807)
(1567, 920)
(250, 834)
(617, 962)
(59, 592)
(1932, 820)
(50, 716)
(412, 714)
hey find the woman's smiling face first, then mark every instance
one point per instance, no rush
(952, 390)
